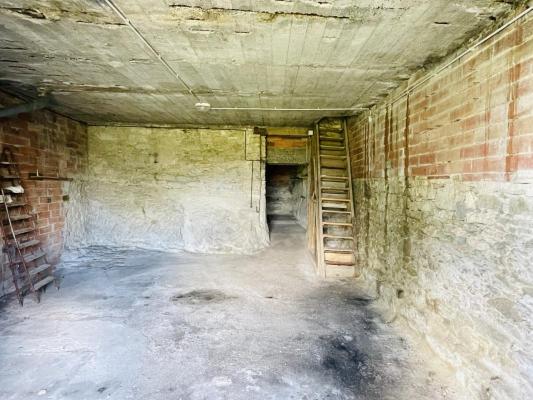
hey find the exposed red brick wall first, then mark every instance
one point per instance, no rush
(52, 144)
(442, 196)
(286, 142)
(473, 121)
(287, 149)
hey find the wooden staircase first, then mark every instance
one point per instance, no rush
(27, 261)
(335, 247)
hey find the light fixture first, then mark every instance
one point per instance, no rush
(203, 107)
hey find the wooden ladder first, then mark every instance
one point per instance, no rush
(335, 230)
(27, 261)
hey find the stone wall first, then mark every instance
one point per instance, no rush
(443, 186)
(51, 144)
(199, 190)
(300, 196)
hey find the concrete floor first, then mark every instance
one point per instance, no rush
(137, 324)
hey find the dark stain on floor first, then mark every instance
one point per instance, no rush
(347, 363)
(201, 296)
(357, 300)
(350, 359)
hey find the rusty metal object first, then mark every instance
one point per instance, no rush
(27, 260)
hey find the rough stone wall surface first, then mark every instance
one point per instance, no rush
(51, 144)
(300, 196)
(199, 190)
(443, 190)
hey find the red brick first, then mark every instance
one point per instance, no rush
(427, 159)
(51, 144)
(524, 161)
(43, 215)
(475, 119)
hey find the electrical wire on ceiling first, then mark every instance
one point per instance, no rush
(205, 107)
(202, 105)
(150, 47)
(287, 109)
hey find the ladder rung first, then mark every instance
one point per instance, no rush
(335, 193)
(330, 139)
(333, 130)
(29, 243)
(334, 250)
(16, 204)
(334, 206)
(334, 189)
(343, 263)
(338, 237)
(34, 256)
(43, 282)
(333, 152)
(337, 224)
(9, 177)
(328, 147)
(324, 132)
(7, 163)
(335, 157)
(334, 167)
(31, 257)
(40, 268)
(333, 178)
(23, 230)
(329, 199)
(336, 212)
(20, 217)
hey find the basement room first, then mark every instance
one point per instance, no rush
(272, 199)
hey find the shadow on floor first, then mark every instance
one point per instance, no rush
(134, 324)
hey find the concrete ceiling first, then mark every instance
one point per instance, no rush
(232, 53)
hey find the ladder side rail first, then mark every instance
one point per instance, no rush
(12, 265)
(349, 167)
(26, 207)
(14, 260)
(320, 229)
(17, 245)
(32, 235)
(350, 188)
(312, 211)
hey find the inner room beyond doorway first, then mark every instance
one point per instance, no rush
(286, 193)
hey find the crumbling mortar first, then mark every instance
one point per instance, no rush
(353, 13)
(55, 14)
(266, 15)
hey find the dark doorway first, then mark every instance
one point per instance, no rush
(286, 193)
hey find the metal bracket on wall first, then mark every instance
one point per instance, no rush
(36, 177)
(246, 148)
